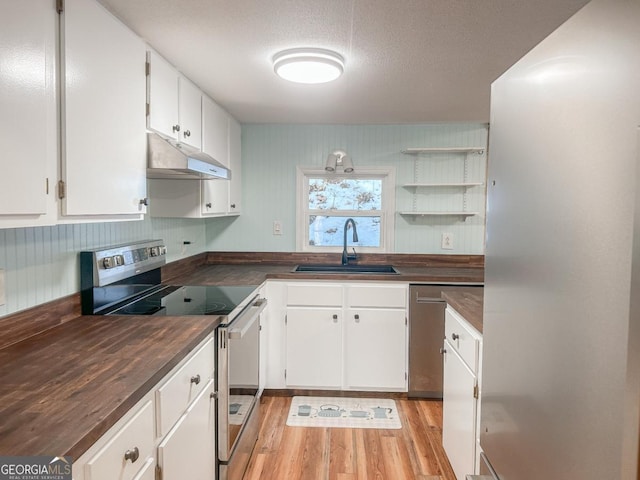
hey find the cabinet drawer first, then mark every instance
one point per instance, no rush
(110, 463)
(462, 337)
(175, 395)
(391, 296)
(314, 294)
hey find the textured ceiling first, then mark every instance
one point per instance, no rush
(407, 61)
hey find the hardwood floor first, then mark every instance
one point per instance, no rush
(292, 453)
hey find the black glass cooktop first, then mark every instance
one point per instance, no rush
(189, 300)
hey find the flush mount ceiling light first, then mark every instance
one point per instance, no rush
(308, 65)
(339, 159)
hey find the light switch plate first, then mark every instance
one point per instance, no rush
(277, 227)
(2, 295)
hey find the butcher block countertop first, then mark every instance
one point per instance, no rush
(468, 303)
(65, 378)
(62, 389)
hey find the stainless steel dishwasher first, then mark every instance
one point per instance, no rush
(426, 333)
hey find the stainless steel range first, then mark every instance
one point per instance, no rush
(126, 280)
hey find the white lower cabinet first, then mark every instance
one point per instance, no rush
(349, 336)
(314, 347)
(188, 450)
(461, 394)
(375, 349)
(182, 439)
(127, 451)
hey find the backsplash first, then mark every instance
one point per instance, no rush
(41, 263)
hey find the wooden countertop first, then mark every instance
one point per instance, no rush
(256, 274)
(468, 303)
(62, 389)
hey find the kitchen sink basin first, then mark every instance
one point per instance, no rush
(364, 269)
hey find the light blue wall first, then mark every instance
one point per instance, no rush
(270, 154)
(41, 263)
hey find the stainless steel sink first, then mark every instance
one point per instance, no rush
(364, 269)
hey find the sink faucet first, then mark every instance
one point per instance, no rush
(346, 256)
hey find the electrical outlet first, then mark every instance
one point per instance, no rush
(2, 296)
(277, 227)
(447, 241)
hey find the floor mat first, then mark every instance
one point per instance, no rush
(343, 412)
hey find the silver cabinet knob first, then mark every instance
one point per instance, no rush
(213, 395)
(187, 133)
(132, 455)
(455, 336)
(176, 128)
(443, 351)
(208, 205)
(357, 317)
(144, 201)
(195, 379)
(335, 318)
(233, 205)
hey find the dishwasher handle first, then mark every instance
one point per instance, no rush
(429, 300)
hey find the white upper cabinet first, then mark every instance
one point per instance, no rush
(215, 131)
(27, 112)
(190, 113)
(175, 104)
(103, 112)
(163, 96)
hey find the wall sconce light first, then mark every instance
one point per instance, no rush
(339, 159)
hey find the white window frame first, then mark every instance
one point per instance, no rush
(387, 214)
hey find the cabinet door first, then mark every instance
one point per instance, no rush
(215, 197)
(163, 97)
(27, 105)
(104, 142)
(314, 347)
(235, 163)
(459, 413)
(190, 113)
(189, 448)
(215, 131)
(135, 435)
(375, 349)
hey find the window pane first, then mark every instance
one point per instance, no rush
(345, 194)
(329, 231)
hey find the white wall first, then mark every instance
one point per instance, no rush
(270, 154)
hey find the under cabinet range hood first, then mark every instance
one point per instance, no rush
(169, 159)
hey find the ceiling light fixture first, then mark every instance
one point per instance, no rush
(308, 65)
(339, 159)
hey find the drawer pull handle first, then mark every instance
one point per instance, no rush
(132, 454)
(357, 317)
(195, 379)
(455, 336)
(335, 317)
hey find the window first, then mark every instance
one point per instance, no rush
(327, 200)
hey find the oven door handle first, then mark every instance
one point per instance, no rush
(246, 320)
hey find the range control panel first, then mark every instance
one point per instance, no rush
(123, 261)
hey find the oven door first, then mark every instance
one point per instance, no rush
(238, 390)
